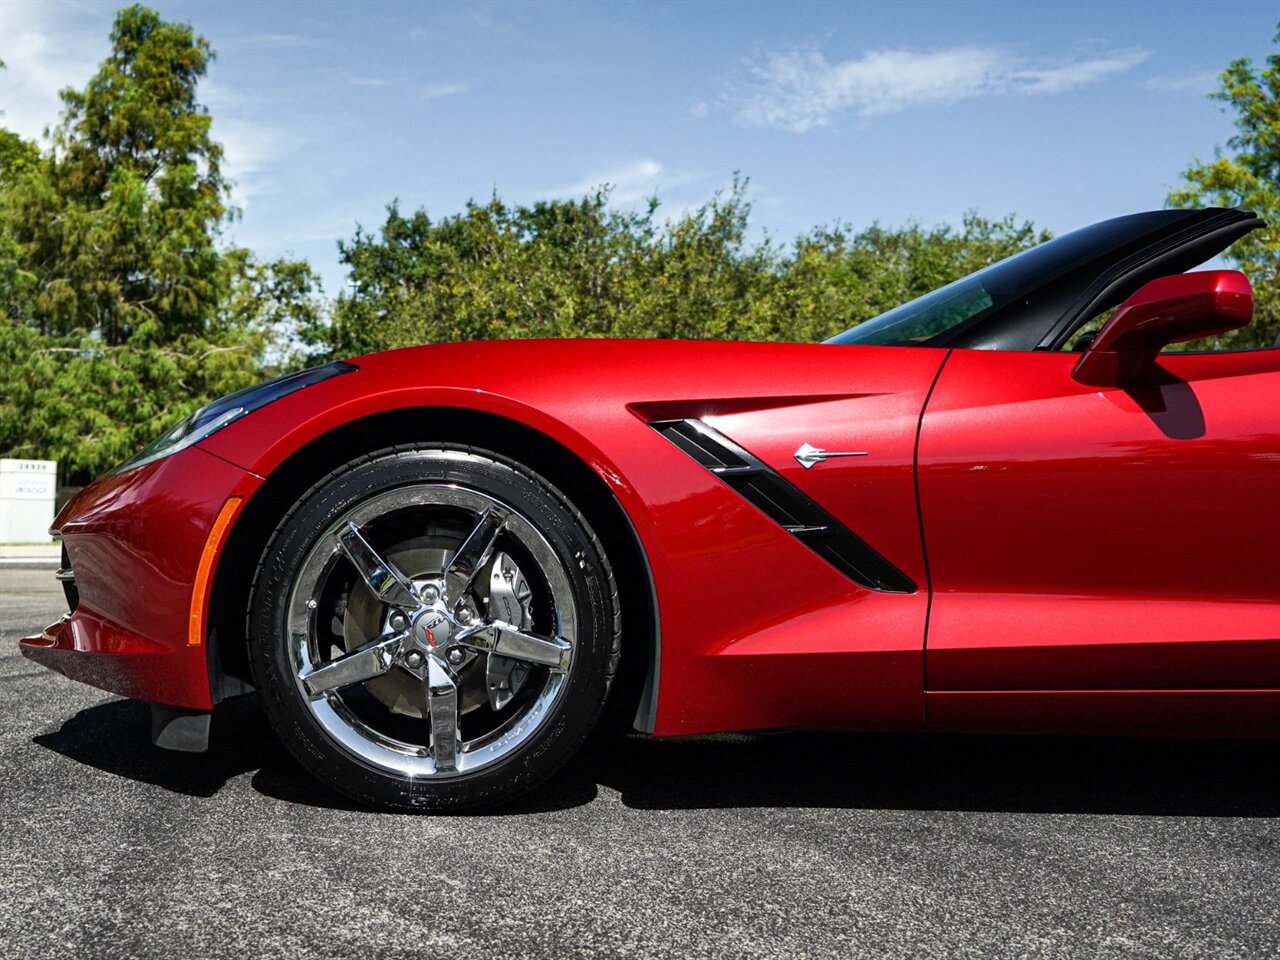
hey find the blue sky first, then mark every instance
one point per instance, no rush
(1063, 113)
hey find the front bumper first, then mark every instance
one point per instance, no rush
(135, 542)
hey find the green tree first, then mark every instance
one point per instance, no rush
(122, 216)
(836, 277)
(1247, 174)
(16, 154)
(17, 286)
(580, 268)
(121, 311)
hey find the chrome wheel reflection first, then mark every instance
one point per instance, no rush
(431, 630)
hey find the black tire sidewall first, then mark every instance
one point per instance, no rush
(571, 719)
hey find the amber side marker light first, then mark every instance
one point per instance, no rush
(200, 592)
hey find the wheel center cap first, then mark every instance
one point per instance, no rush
(432, 629)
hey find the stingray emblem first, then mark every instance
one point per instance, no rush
(809, 456)
(426, 633)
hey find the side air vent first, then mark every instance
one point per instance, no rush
(786, 505)
(66, 576)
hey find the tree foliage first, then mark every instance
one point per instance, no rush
(583, 268)
(121, 311)
(1247, 174)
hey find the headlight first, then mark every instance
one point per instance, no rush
(212, 417)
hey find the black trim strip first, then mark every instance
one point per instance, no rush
(786, 505)
(69, 588)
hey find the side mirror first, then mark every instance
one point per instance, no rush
(1174, 309)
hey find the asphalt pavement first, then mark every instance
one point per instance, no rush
(788, 845)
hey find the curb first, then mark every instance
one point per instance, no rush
(37, 553)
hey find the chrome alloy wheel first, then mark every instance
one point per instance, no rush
(431, 630)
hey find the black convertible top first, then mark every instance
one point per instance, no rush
(1038, 298)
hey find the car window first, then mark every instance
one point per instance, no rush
(1057, 271)
(1087, 331)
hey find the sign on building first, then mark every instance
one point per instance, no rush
(27, 492)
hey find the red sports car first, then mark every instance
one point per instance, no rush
(978, 511)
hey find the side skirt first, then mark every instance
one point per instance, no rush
(1202, 713)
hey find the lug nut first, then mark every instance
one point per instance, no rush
(430, 594)
(464, 615)
(398, 620)
(414, 659)
(456, 655)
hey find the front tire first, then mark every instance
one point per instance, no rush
(433, 628)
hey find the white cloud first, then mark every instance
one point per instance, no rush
(286, 40)
(636, 181)
(250, 152)
(45, 47)
(801, 90)
(253, 146)
(354, 80)
(1197, 83)
(437, 90)
(1071, 75)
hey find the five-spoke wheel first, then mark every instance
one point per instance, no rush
(444, 636)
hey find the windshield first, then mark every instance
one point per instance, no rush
(1076, 258)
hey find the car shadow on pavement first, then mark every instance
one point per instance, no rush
(116, 737)
(1018, 774)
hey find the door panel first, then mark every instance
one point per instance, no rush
(1102, 539)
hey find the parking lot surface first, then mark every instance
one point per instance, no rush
(795, 845)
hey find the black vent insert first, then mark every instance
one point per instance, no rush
(786, 505)
(68, 580)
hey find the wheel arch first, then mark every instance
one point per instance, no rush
(634, 697)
